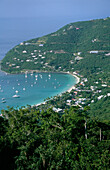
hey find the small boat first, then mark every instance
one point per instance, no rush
(16, 96)
(3, 98)
(49, 75)
(36, 75)
(4, 101)
(26, 75)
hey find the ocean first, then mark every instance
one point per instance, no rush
(15, 30)
(31, 88)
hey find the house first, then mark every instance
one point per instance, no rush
(99, 97)
(104, 85)
(41, 45)
(7, 63)
(17, 66)
(75, 92)
(107, 54)
(24, 52)
(28, 60)
(93, 52)
(78, 58)
(35, 51)
(46, 64)
(85, 79)
(13, 64)
(71, 62)
(79, 53)
(69, 101)
(27, 43)
(58, 110)
(21, 43)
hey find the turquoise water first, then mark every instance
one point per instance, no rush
(32, 88)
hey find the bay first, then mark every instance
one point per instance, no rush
(32, 88)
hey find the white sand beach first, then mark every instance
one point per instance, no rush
(73, 87)
(69, 90)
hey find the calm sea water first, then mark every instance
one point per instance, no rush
(32, 89)
(37, 87)
(15, 30)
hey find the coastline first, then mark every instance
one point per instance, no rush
(69, 90)
(73, 87)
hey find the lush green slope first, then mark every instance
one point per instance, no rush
(81, 47)
(59, 48)
(32, 139)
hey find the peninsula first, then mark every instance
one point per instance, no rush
(81, 48)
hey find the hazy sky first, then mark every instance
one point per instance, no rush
(76, 9)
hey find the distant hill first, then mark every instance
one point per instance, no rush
(54, 51)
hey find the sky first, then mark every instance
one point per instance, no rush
(74, 9)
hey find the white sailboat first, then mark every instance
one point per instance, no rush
(16, 95)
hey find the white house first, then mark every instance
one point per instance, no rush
(24, 51)
(93, 52)
(41, 45)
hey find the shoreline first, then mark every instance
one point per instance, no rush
(69, 90)
(37, 71)
(77, 81)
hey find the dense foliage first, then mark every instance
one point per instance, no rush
(33, 139)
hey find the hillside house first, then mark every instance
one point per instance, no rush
(93, 52)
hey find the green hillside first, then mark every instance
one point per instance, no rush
(82, 48)
(61, 47)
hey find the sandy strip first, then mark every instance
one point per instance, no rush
(69, 90)
(73, 87)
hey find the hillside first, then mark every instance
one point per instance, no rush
(33, 139)
(82, 48)
(53, 51)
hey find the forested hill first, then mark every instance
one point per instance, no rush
(54, 51)
(82, 48)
